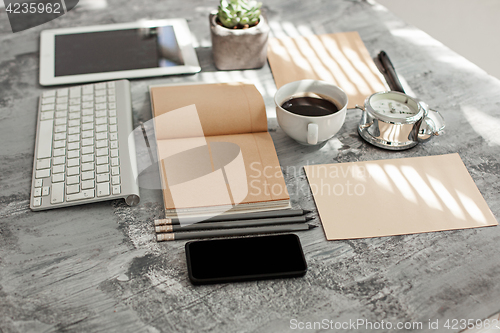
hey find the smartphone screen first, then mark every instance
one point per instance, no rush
(243, 259)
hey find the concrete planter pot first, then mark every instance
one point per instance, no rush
(239, 48)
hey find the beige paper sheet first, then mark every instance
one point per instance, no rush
(340, 58)
(396, 197)
(214, 147)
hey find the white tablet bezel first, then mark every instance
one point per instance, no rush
(182, 33)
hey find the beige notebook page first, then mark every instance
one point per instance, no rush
(396, 197)
(340, 58)
(222, 108)
(227, 112)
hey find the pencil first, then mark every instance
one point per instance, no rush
(238, 216)
(233, 232)
(232, 224)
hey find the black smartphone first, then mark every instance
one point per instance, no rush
(244, 259)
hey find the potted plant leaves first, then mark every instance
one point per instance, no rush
(239, 35)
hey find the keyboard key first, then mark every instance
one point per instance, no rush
(115, 171)
(37, 192)
(99, 86)
(102, 168)
(100, 93)
(101, 136)
(74, 108)
(59, 160)
(37, 202)
(48, 107)
(86, 194)
(114, 152)
(48, 100)
(45, 191)
(112, 105)
(116, 189)
(113, 144)
(102, 160)
(111, 91)
(38, 182)
(101, 121)
(87, 98)
(87, 112)
(113, 128)
(74, 130)
(115, 161)
(88, 175)
(60, 152)
(111, 98)
(58, 177)
(43, 164)
(102, 189)
(103, 177)
(57, 195)
(61, 107)
(73, 153)
(74, 92)
(58, 168)
(102, 151)
(87, 158)
(101, 143)
(101, 128)
(113, 136)
(73, 171)
(88, 89)
(75, 101)
(62, 92)
(100, 106)
(73, 162)
(88, 166)
(42, 173)
(115, 180)
(87, 126)
(73, 180)
(60, 136)
(100, 99)
(88, 184)
(47, 115)
(112, 113)
(111, 84)
(88, 150)
(50, 93)
(112, 120)
(70, 189)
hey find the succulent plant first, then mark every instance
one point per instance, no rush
(234, 14)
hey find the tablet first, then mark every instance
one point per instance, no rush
(116, 51)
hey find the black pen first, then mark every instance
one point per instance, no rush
(237, 216)
(232, 224)
(171, 236)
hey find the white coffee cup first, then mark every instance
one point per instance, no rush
(311, 130)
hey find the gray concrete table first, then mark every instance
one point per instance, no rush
(98, 268)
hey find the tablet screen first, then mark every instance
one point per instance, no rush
(117, 50)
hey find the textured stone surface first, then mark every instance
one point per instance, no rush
(97, 268)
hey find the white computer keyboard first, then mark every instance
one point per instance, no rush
(82, 151)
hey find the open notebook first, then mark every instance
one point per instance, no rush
(215, 151)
